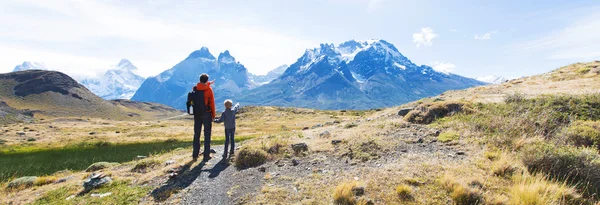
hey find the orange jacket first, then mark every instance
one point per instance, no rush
(209, 97)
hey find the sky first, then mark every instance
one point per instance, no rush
(475, 38)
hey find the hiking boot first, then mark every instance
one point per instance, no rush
(194, 159)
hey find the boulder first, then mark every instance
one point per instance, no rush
(100, 165)
(95, 180)
(295, 162)
(358, 191)
(300, 147)
(325, 134)
(404, 111)
(335, 142)
(23, 182)
(21, 133)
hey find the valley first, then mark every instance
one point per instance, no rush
(531, 140)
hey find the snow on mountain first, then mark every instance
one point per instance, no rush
(119, 82)
(30, 66)
(492, 79)
(271, 75)
(171, 86)
(354, 75)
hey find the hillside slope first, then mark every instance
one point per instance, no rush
(54, 94)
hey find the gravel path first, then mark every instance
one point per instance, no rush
(219, 182)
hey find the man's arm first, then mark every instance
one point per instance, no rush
(212, 104)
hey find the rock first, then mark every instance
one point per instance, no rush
(140, 157)
(100, 165)
(95, 180)
(434, 140)
(353, 163)
(65, 179)
(274, 149)
(170, 162)
(305, 128)
(358, 191)
(325, 134)
(329, 123)
(335, 142)
(404, 150)
(420, 140)
(213, 151)
(262, 169)
(336, 122)
(295, 162)
(21, 133)
(118, 132)
(317, 126)
(31, 139)
(23, 182)
(378, 109)
(436, 133)
(300, 147)
(460, 153)
(369, 119)
(101, 195)
(404, 111)
(93, 133)
(172, 175)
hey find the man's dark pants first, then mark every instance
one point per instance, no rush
(205, 120)
(229, 138)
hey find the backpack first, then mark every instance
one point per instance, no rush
(196, 99)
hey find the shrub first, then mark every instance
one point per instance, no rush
(404, 192)
(538, 190)
(22, 183)
(504, 167)
(41, 181)
(428, 112)
(461, 194)
(250, 157)
(577, 166)
(143, 165)
(343, 194)
(584, 133)
(350, 125)
(448, 136)
(100, 165)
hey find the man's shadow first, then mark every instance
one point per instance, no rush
(184, 179)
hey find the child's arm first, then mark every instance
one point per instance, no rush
(219, 120)
(236, 108)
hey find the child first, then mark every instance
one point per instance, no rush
(228, 116)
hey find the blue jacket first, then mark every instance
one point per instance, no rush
(228, 116)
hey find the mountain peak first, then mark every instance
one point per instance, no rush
(202, 53)
(226, 57)
(126, 64)
(27, 65)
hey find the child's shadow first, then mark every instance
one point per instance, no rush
(184, 179)
(218, 168)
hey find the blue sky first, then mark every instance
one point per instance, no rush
(471, 38)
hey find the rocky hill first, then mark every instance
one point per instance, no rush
(55, 94)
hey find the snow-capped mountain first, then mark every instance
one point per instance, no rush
(30, 66)
(171, 86)
(119, 82)
(492, 79)
(354, 75)
(271, 75)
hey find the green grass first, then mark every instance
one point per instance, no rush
(448, 137)
(122, 193)
(36, 161)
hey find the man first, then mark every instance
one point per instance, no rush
(203, 101)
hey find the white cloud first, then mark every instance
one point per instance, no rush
(443, 67)
(485, 36)
(578, 41)
(425, 37)
(87, 37)
(374, 5)
(454, 30)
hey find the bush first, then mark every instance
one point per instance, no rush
(448, 137)
(428, 112)
(143, 165)
(41, 181)
(404, 192)
(538, 190)
(576, 166)
(584, 133)
(250, 157)
(461, 194)
(100, 165)
(350, 125)
(22, 183)
(343, 194)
